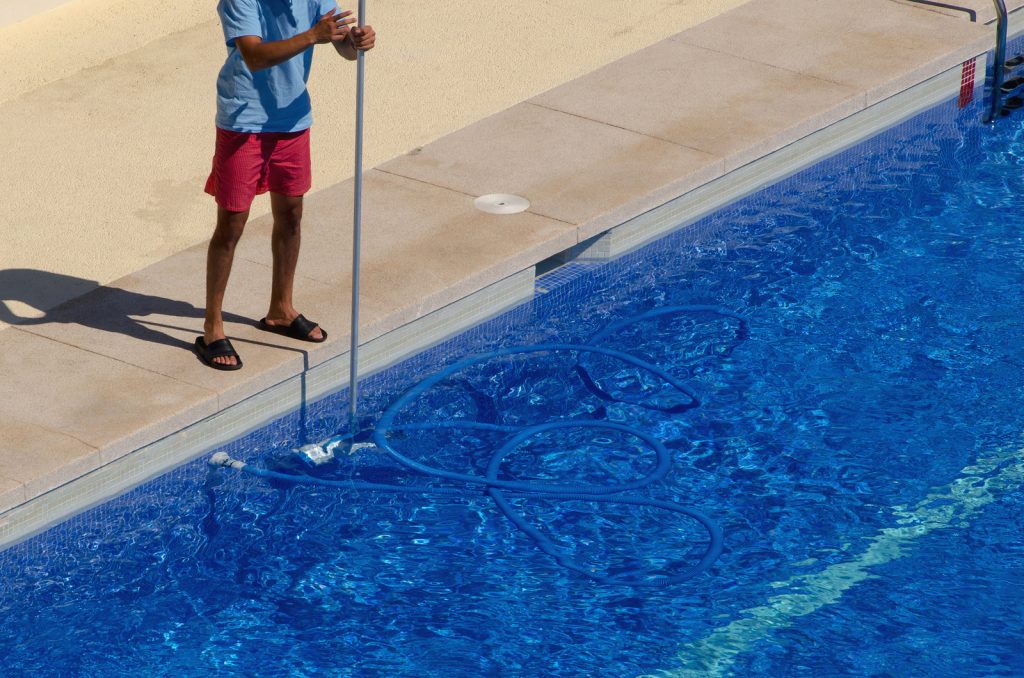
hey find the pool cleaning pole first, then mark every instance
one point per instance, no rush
(357, 216)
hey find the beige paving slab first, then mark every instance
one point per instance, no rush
(877, 46)
(570, 168)
(150, 319)
(423, 246)
(40, 459)
(722, 105)
(99, 401)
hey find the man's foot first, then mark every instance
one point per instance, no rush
(218, 354)
(296, 328)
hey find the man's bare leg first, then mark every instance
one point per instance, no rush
(219, 258)
(284, 244)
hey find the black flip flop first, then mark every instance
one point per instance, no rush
(299, 329)
(216, 349)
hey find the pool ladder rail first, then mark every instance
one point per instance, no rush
(1002, 106)
(1013, 85)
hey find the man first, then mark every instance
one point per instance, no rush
(263, 120)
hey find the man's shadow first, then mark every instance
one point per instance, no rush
(114, 310)
(103, 308)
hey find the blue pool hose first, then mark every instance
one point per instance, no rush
(495, 488)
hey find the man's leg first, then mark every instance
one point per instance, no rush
(284, 244)
(219, 257)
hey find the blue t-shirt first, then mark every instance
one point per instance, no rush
(273, 99)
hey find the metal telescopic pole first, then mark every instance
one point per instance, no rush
(353, 369)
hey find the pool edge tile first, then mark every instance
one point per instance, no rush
(12, 495)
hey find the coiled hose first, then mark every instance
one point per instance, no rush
(496, 488)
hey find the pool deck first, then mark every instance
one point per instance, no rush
(110, 374)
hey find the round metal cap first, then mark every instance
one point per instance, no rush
(501, 203)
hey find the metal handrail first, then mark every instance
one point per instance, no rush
(970, 12)
(999, 61)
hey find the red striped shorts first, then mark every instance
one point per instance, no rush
(246, 164)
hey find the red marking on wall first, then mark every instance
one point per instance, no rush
(967, 83)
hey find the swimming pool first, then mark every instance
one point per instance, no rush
(859, 445)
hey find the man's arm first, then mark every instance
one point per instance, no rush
(259, 55)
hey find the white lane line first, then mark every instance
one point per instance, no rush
(949, 506)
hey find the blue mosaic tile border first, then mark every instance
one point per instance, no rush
(563, 275)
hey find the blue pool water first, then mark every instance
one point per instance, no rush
(860, 447)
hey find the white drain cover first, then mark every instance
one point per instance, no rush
(501, 203)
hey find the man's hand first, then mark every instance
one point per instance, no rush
(358, 40)
(332, 27)
(362, 38)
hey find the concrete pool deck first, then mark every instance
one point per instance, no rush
(116, 117)
(103, 391)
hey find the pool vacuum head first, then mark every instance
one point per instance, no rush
(325, 452)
